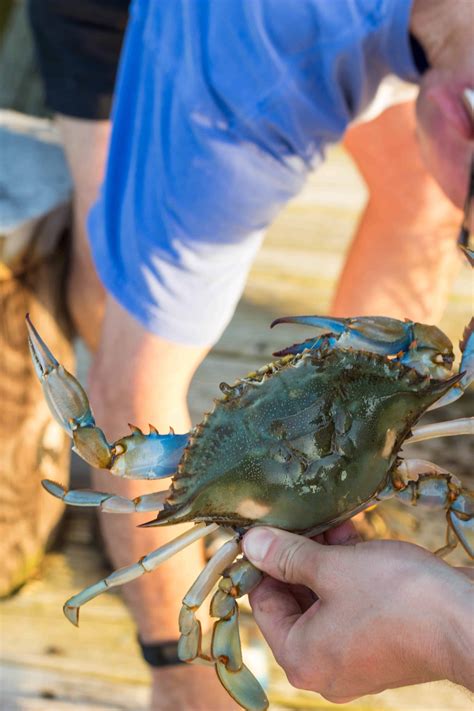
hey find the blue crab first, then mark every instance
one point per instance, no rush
(302, 444)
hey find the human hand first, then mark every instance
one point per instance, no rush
(445, 131)
(350, 620)
(445, 125)
(444, 30)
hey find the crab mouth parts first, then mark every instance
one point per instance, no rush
(444, 359)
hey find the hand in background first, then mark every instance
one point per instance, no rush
(445, 131)
(445, 125)
(355, 619)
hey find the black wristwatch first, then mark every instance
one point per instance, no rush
(160, 654)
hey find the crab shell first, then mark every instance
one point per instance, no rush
(304, 443)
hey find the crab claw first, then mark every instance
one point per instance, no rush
(147, 456)
(65, 396)
(43, 359)
(136, 456)
(296, 348)
(68, 403)
(377, 334)
(323, 324)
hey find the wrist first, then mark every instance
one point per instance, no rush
(442, 630)
(460, 637)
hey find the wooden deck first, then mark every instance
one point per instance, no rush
(46, 664)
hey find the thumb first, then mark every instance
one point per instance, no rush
(287, 557)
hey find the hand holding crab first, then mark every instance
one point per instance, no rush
(387, 613)
(302, 444)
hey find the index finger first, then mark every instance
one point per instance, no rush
(343, 535)
(276, 611)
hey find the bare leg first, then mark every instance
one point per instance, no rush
(86, 144)
(135, 377)
(138, 377)
(403, 258)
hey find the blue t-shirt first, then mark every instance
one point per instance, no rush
(222, 108)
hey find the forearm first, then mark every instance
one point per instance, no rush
(403, 258)
(85, 144)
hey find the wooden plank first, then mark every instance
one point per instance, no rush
(35, 632)
(437, 696)
(25, 688)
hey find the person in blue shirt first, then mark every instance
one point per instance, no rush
(221, 109)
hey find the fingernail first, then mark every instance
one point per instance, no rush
(256, 544)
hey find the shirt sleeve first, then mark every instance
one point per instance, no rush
(221, 110)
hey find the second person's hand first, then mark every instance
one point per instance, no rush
(350, 620)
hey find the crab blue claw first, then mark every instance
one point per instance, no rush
(323, 324)
(135, 456)
(309, 344)
(377, 334)
(148, 456)
(43, 360)
(423, 348)
(65, 396)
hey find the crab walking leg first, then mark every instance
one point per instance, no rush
(189, 646)
(136, 456)
(110, 503)
(131, 572)
(450, 428)
(234, 676)
(420, 483)
(226, 653)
